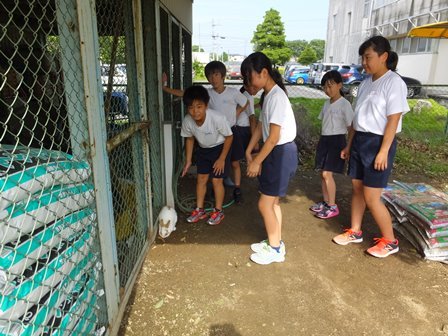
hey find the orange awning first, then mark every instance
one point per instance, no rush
(432, 30)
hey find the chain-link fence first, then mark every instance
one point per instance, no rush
(423, 149)
(75, 205)
(51, 281)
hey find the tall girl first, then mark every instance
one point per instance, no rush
(276, 163)
(381, 102)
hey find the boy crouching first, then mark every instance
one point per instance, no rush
(214, 136)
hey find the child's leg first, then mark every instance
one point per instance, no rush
(379, 211)
(358, 204)
(278, 214)
(236, 173)
(201, 189)
(266, 206)
(329, 187)
(218, 188)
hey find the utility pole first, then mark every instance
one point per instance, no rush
(214, 37)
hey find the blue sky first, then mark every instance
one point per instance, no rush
(236, 21)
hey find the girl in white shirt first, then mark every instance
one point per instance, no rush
(276, 163)
(380, 104)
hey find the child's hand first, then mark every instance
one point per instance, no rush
(218, 167)
(186, 167)
(164, 79)
(380, 161)
(253, 169)
(345, 153)
(249, 157)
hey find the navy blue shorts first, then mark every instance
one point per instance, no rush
(206, 158)
(277, 169)
(365, 147)
(328, 153)
(241, 138)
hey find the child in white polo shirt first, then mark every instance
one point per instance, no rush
(336, 116)
(380, 105)
(214, 136)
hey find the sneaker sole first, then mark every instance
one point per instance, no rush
(254, 258)
(355, 241)
(326, 217)
(197, 220)
(384, 255)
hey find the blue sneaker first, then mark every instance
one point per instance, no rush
(319, 206)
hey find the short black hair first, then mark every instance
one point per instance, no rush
(215, 66)
(332, 75)
(195, 92)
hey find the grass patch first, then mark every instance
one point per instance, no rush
(422, 144)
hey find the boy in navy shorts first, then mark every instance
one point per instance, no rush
(336, 116)
(214, 136)
(230, 103)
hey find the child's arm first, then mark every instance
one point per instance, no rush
(254, 139)
(254, 167)
(389, 135)
(167, 89)
(252, 123)
(345, 153)
(240, 109)
(218, 166)
(189, 143)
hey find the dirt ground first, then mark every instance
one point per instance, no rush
(200, 281)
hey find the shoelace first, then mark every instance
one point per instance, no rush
(381, 242)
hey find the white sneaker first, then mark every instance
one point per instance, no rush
(267, 256)
(257, 247)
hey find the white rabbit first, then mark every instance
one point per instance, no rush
(167, 221)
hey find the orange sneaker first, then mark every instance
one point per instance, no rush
(383, 247)
(349, 236)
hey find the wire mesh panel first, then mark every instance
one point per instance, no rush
(125, 139)
(50, 265)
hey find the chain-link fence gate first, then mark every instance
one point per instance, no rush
(75, 211)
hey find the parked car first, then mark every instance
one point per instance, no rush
(413, 85)
(297, 76)
(234, 71)
(119, 77)
(323, 68)
(352, 75)
(289, 66)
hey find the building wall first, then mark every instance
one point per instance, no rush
(181, 10)
(391, 19)
(346, 30)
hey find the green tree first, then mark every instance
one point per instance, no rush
(308, 56)
(297, 46)
(270, 39)
(107, 48)
(195, 48)
(319, 48)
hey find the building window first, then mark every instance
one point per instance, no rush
(366, 8)
(349, 22)
(405, 45)
(334, 21)
(381, 3)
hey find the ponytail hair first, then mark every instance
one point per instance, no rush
(381, 45)
(258, 61)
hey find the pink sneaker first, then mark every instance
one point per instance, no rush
(383, 248)
(328, 212)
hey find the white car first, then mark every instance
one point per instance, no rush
(119, 77)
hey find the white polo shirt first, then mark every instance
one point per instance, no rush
(277, 110)
(226, 102)
(336, 117)
(243, 119)
(377, 100)
(211, 133)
